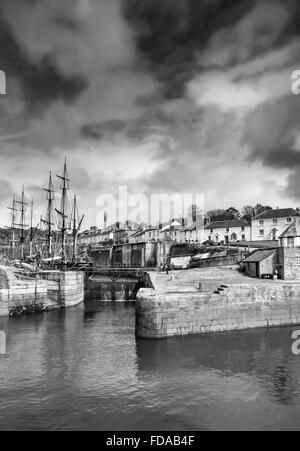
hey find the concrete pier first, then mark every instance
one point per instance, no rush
(225, 301)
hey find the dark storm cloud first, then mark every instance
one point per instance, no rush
(170, 33)
(272, 132)
(97, 131)
(176, 87)
(41, 82)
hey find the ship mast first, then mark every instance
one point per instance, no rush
(13, 210)
(31, 228)
(65, 186)
(76, 225)
(50, 209)
(22, 225)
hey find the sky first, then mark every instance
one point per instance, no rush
(172, 96)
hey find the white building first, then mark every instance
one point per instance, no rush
(227, 231)
(174, 231)
(92, 238)
(193, 234)
(270, 224)
(145, 236)
(291, 236)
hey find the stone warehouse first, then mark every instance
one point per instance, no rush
(261, 262)
(282, 261)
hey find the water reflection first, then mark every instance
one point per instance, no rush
(84, 369)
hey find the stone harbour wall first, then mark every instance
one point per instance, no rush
(65, 288)
(289, 263)
(103, 288)
(51, 290)
(21, 299)
(236, 307)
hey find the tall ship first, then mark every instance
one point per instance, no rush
(43, 270)
(53, 241)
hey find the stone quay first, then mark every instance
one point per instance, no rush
(210, 300)
(49, 290)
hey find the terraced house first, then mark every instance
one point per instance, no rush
(270, 224)
(229, 231)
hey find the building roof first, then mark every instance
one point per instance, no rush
(278, 213)
(227, 224)
(105, 232)
(173, 226)
(137, 233)
(190, 228)
(152, 229)
(271, 244)
(292, 231)
(259, 255)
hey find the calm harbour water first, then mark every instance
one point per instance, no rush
(83, 369)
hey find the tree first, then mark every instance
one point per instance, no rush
(234, 212)
(261, 208)
(219, 215)
(249, 212)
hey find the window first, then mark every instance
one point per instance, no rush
(289, 220)
(227, 229)
(243, 229)
(244, 237)
(290, 242)
(211, 231)
(261, 222)
(275, 221)
(261, 233)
